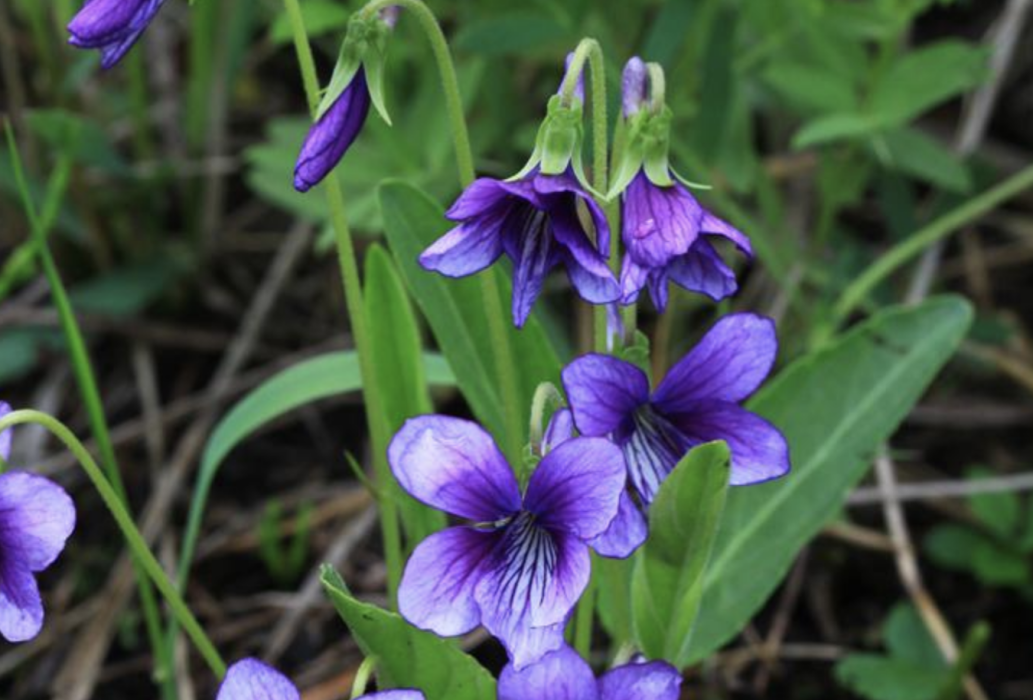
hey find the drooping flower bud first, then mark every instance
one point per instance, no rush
(112, 26)
(357, 83)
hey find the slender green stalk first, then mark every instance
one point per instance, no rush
(357, 316)
(81, 366)
(583, 620)
(939, 229)
(491, 292)
(362, 676)
(136, 542)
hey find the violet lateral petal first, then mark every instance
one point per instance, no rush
(657, 680)
(727, 364)
(250, 679)
(36, 519)
(719, 227)
(528, 590)
(560, 675)
(625, 534)
(479, 198)
(454, 465)
(333, 134)
(559, 430)
(577, 486)
(659, 223)
(21, 608)
(759, 450)
(468, 248)
(702, 270)
(437, 587)
(603, 393)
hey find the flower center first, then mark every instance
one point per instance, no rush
(528, 555)
(651, 451)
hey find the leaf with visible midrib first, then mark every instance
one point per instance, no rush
(834, 407)
(667, 582)
(409, 657)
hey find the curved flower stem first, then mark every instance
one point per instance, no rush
(357, 316)
(494, 307)
(912, 246)
(362, 676)
(82, 368)
(136, 542)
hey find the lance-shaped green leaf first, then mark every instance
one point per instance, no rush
(409, 657)
(835, 407)
(394, 341)
(667, 583)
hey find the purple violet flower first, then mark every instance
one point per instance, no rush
(518, 564)
(112, 26)
(534, 220)
(564, 675)
(333, 134)
(36, 519)
(667, 234)
(698, 401)
(251, 679)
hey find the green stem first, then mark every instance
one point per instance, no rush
(357, 316)
(491, 292)
(913, 246)
(583, 622)
(81, 366)
(136, 542)
(362, 676)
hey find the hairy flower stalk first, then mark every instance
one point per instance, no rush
(519, 562)
(112, 26)
(667, 234)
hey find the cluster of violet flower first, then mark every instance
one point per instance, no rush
(517, 560)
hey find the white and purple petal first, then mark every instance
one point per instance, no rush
(530, 586)
(656, 680)
(626, 533)
(36, 519)
(454, 465)
(437, 587)
(603, 393)
(577, 487)
(727, 364)
(652, 449)
(333, 134)
(559, 675)
(759, 450)
(250, 679)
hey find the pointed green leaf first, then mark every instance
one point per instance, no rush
(409, 657)
(667, 583)
(835, 408)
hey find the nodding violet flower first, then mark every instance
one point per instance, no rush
(518, 564)
(36, 519)
(667, 234)
(251, 679)
(533, 217)
(698, 401)
(357, 83)
(563, 675)
(112, 26)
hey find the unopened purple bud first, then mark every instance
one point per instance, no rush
(112, 26)
(633, 85)
(333, 134)
(389, 15)
(579, 88)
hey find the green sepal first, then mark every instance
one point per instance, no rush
(365, 44)
(690, 183)
(560, 136)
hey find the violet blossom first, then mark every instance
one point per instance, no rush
(564, 675)
(667, 234)
(518, 563)
(251, 679)
(698, 401)
(36, 519)
(112, 26)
